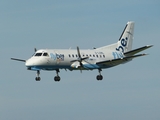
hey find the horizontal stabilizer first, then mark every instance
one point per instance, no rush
(18, 59)
(118, 61)
(133, 52)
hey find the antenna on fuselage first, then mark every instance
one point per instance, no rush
(35, 49)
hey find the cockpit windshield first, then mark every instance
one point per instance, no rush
(41, 54)
(45, 54)
(38, 54)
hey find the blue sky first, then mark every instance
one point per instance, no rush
(129, 91)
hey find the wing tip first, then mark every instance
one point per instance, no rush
(148, 46)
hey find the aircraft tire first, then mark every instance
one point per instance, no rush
(57, 78)
(99, 77)
(37, 78)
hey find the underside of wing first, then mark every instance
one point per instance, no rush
(135, 51)
(114, 62)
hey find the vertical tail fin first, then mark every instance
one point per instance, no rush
(126, 38)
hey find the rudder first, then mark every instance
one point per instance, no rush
(126, 38)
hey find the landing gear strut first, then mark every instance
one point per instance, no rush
(99, 77)
(57, 78)
(37, 77)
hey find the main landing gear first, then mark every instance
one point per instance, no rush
(99, 77)
(57, 78)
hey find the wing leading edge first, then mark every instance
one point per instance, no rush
(133, 52)
(18, 59)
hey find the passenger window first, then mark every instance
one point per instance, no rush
(72, 55)
(69, 55)
(38, 54)
(104, 56)
(97, 55)
(93, 55)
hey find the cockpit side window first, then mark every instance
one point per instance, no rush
(38, 54)
(45, 54)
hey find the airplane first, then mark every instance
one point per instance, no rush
(87, 59)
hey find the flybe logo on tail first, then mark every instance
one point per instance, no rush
(122, 44)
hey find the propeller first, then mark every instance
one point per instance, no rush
(80, 59)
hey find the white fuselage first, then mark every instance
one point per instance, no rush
(52, 59)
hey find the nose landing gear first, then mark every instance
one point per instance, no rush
(37, 77)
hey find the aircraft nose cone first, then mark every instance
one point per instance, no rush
(29, 63)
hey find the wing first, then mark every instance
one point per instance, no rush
(114, 62)
(133, 52)
(18, 59)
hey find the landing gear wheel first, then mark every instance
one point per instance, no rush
(99, 77)
(57, 78)
(37, 78)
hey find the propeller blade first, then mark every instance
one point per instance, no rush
(84, 58)
(81, 64)
(18, 59)
(73, 61)
(81, 70)
(79, 55)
